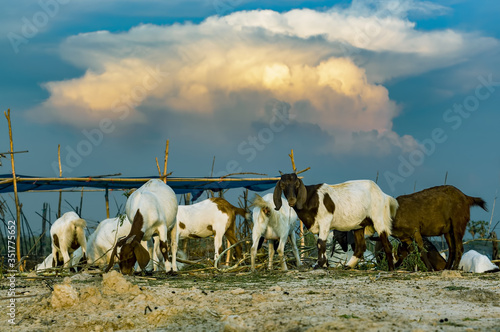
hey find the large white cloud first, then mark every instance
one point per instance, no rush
(328, 65)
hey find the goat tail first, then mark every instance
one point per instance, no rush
(477, 201)
(242, 212)
(393, 206)
(389, 212)
(80, 223)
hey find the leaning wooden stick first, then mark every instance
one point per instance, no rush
(293, 162)
(158, 166)
(165, 163)
(16, 197)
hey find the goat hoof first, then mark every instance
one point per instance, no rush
(172, 273)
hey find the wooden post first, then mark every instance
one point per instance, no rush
(44, 222)
(492, 211)
(158, 166)
(106, 198)
(81, 204)
(60, 175)
(293, 162)
(187, 201)
(166, 160)
(245, 206)
(16, 198)
(494, 254)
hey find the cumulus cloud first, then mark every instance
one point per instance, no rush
(329, 65)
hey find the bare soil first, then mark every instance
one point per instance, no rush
(312, 300)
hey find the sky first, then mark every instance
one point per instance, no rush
(402, 92)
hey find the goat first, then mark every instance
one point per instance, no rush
(441, 210)
(213, 216)
(436, 259)
(102, 241)
(48, 261)
(152, 209)
(67, 234)
(358, 205)
(273, 225)
(474, 262)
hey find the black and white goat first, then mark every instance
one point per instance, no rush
(67, 234)
(358, 205)
(273, 225)
(153, 210)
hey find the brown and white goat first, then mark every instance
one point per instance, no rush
(153, 210)
(359, 205)
(67, 234)
(214, 216)
(441, 210)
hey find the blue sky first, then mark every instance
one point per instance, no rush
(406, 89)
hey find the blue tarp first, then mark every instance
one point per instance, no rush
(195, 186)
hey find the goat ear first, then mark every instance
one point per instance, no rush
(130, 239)
(142, 255)
(277, 196)
(301, 195)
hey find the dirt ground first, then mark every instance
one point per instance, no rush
(312, 300)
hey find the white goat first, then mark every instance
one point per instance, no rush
(474, 262)
(67, 234)
(273, 225)
(49, 260)
(101, 243)
(359, 205)
(153, 210)
(213, 216)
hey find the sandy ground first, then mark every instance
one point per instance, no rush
(312, 300)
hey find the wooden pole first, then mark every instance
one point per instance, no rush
(80, 211)
(106, 198)
(492, 211)
(95, 179)
(293, 162)
(302, 238)
(494, 253)
(60, 175)
(44, 223)
(165, 163)
(158, 166)
(16, 198)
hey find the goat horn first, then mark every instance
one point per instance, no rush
(281, 173)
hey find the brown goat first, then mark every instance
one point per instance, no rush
(437, 261)
(442, 210)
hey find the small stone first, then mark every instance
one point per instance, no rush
(238, 291)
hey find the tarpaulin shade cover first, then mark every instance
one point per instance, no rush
(195, 186)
